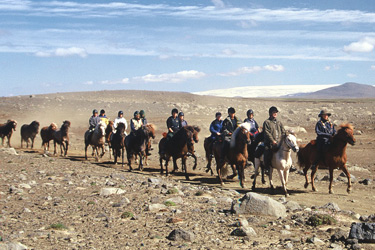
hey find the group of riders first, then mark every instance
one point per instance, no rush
(222, 129)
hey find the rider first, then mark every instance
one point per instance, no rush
(273, 132)
(103, 117)
(215, 127)
(229, 125)
(143, 117)
(120, 118)
(325, 130)
(135, 123)
(93, 122)
(181, 120)
(254, 128)
(173, 124)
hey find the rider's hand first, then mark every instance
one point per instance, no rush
(218, 133)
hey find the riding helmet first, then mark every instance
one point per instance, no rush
(174, 111)
(120, 113)
(136, 113)
(231, 110)
(142, 112)
(273, 109)
(181, 114)
(102, 111)
(249, 112)
(324, 112)
(218, 113)
(94, 111)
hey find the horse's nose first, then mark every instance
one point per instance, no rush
(296, 149)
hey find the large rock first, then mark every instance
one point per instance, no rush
(110, 191)
(364, 232)
(12, 246)
(179, 234)
(253, 203)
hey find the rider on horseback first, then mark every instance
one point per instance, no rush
(173, 124)
(229, 125)
(103, 117)
(120, 119)
(254, 128)
(215, 127)
(143, 117)
(273, 132)
(93, 121)
(135, 123)
(181, 120)
(325, 131)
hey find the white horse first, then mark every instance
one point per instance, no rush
(281, 160)
(97, 140)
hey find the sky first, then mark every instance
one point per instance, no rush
(189, 46)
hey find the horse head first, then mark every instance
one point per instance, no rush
(101, 127)
(13, 124)
(35, 124)
(120, 128)
(291, 141)
(66, 124)
(195, 133)
(346, 133)
(53, 126)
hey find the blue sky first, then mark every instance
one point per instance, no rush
(192, 46)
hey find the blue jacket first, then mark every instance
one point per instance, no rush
(324, 130)
(215, 128)
(253, 126)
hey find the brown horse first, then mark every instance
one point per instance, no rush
(334, 158)
(118, 143)
(46, 133)
(97, 140)
(237, 154)
(29, 131)
(108, 135)
(61, 137)
(6, 130)
(208, 148)
(136, 144)
(179, 146)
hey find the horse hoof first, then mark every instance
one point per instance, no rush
(286, 195)
(314, 189)
(348, 190)
(306, 185)
(263, 182)
(253, 188)
(252, 176)
(231, 176)
(331, 192)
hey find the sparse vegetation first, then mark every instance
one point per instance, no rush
(125, 215)
(58, 226)
(169, 203)
(172, 191)
(320, 219)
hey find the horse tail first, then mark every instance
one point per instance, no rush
(303, 155)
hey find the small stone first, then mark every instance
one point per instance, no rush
(243, 231)
(24, 185)
(174, 220)
(331, 206)
(155, 207)
(110, 191)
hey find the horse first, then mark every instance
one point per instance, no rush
(208, 148)
(137, 143)
(6, 130)
(61, 137)
(237, 154)
(29, 132)
(118, 143)
(46, 133)
(97, 140)
(334, 158)
(181, 145)
(281, 161)
(108, 134)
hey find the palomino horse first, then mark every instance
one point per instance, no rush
(97, 140)
(237, 154)
(61, 137)
(118, 143)
(177, 147)
(137, 143)
(281, 161)
(334, 158)
(108, 135)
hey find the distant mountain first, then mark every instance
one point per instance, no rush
(346, 90)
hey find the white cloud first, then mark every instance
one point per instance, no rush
(218, 3)
(88, 83)
(254, 69)
(172, 77)
(364, 45)
(350, 75)
(333, 67)
(64, 52)
(372, 67)
(229, 52)
(125, 81)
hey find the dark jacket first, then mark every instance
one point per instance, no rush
(215, 128)
(144, 121)
(173, 123)
(229, 126)
(93, 121)
(273, 131)
(324, 130)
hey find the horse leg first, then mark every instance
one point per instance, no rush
(219, 167)
(32, 142)
(129, 156)
(195, 161)
(234, 170)
(313, 172)
(241, 175)
(54, 148)
(122, 157)
(330, 179)
(161, 164)
(86, 151)
(345, 170)
(270, 178)
(140, 166)
(306, 178)
(174, 165)
(166, 166)
(283, 183)
(185, 167)
(256, 171)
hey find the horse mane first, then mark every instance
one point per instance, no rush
(346, 125)
(244, 125)
(101, 123)
(151, 125)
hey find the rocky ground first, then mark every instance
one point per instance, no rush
(51, 202)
